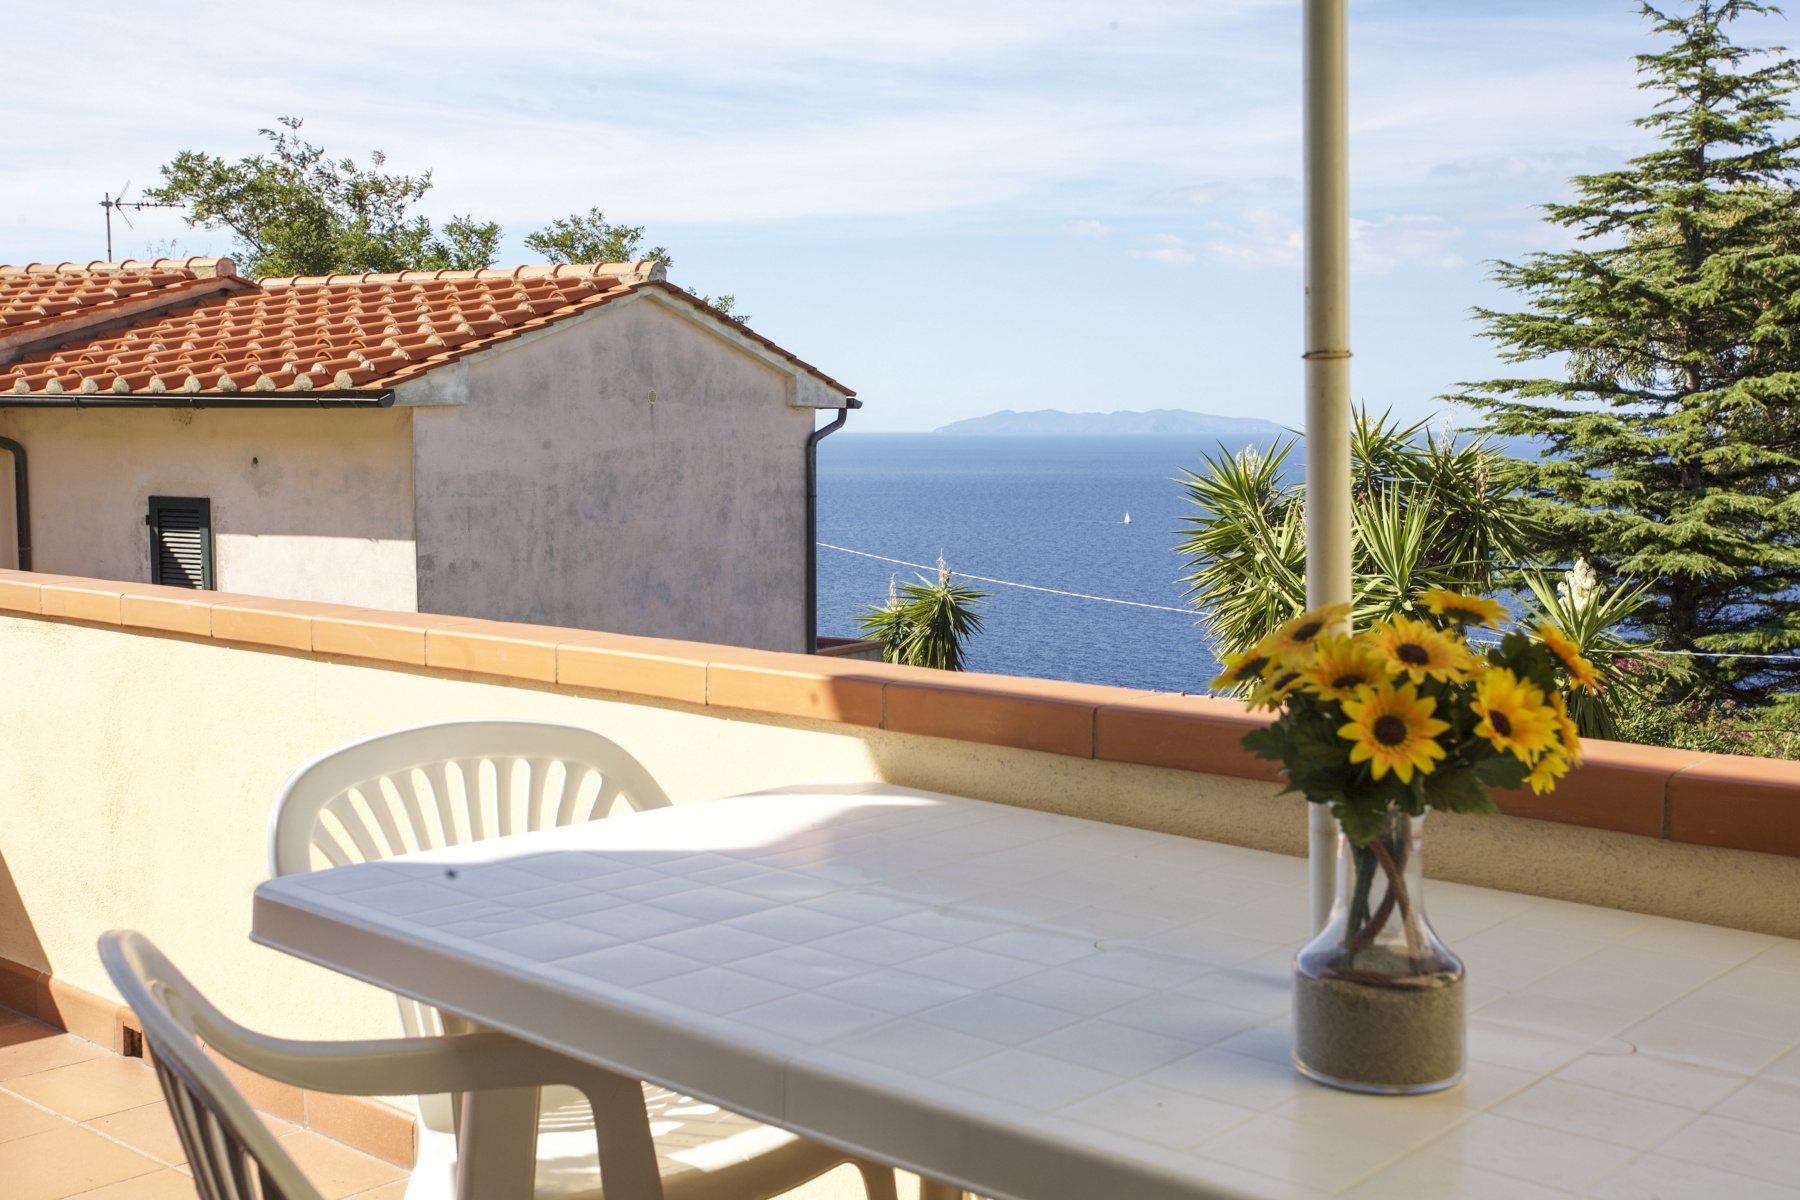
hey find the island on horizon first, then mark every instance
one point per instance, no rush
(1050, 422)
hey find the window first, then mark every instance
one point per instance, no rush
(181, 553)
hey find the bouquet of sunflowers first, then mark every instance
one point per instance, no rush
(1406, 714)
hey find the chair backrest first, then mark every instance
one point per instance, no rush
(448, 783)
(445, 784)
(230, 1152)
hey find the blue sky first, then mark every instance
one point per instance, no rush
(954, 207)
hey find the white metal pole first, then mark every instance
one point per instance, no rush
(1327, 360)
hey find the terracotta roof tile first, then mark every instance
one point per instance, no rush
(35, 298)
(327, 333)
(314, 333)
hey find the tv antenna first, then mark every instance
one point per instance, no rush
(110, 202)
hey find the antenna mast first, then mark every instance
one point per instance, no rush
(108, 202)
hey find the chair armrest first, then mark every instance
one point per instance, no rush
(470, 1062)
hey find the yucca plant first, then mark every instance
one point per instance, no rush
(926, 624)
(1588, 614)
(1425, 514)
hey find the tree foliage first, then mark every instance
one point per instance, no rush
(926, 624)
(1673, 439)
(295, 211)
(589, 238)
(1425, 514)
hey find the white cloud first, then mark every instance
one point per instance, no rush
(1087, 229)
(1262, 238)
(1504, 166)
(1381, 247)
(778, 110)
(1167, 249)
(1265, 238)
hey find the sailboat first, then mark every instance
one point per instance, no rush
(1128, 518)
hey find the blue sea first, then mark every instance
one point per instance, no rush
(1046, 511)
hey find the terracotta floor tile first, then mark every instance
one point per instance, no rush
(276, 1125)
(42, 1051)
(19, 1119)
(158, 1185)
(335, 1169)
(65, 1162)
(387, 1191)
(146, 1128)
(85, 1090)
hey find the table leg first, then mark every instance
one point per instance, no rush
(496, 1145)
(939, 1191)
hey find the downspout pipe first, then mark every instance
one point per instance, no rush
(812, 520)
(1327, 151)
(21, 500)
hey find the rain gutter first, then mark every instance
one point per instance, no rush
(812, 520)
(370, 399)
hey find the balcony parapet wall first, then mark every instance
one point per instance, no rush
(1724, 801)
(148, 730)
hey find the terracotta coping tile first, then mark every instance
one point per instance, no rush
(266, 622)
(378, 634)
(171, 609)
(494, 648)
(19, 591)
(1618, 786)
(1188, 733)
(1030, 714)
(84, 600)
(668, 670)
(796, 685)
(1738, 802)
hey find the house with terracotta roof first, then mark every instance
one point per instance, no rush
(581, 445)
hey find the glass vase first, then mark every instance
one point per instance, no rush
(1378, 1000)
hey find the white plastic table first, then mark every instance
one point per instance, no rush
(1036, 1007)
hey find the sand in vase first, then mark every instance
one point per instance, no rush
(1382, 1038)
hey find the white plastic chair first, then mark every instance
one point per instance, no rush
(232, 1154)
(453, 782)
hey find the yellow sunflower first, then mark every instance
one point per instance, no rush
(1278, 683)
(1393, 730)
(1580, 669)
(1549, 769)
(1514, 717)
(1296, 641)
(1343, 665)
(1565, 726)
(1464, 610)
(1415, 649)
(1240, 669)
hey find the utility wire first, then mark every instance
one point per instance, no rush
(1030, 587)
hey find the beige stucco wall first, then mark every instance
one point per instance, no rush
(137, 770)
(324, 514)
(558, 493)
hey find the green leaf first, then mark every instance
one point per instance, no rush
(1458, 789)
(1501, 771)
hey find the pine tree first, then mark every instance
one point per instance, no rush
(1672, 443)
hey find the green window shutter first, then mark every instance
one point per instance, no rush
(181, 549)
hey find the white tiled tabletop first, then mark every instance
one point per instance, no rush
(1037, 1007)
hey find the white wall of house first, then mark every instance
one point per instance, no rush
(630, 470)
(324, 512)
